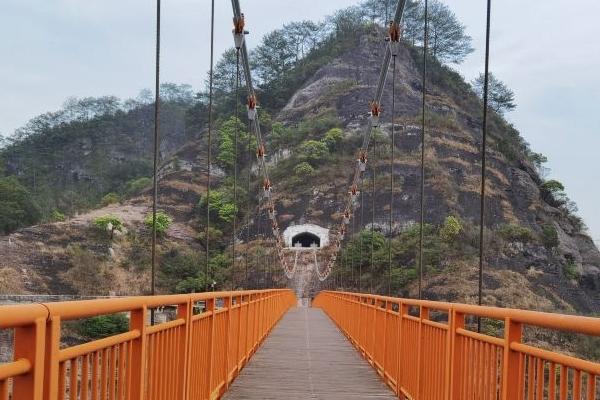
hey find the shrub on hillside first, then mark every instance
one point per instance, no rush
(110, 198)
(332, 138)
(549, 236)
(450, 229)
(215, 236)
(163, 221)
(304, 170)
(102, 326)
(135, 186)
(570, 270)
(108, 223)
(515, 233)
(57, 216)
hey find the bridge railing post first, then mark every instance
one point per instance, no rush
(402, 309)
(228, 303)
(29, 344)
(422, 363)
(238, 342)
(185, 312)
(210, 307)
(511, 379)
(458, 322)
(138, 353)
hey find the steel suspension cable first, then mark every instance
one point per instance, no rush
(235, 159)
(248, 207)
(155, 155)
(483, 158)
(422, 224)
(209, 155)
(257, 252)
(372, 269)
(375, 110)
(362, 224)
(392, 162)
(352, 254)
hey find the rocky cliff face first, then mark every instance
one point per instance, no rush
(519, 272)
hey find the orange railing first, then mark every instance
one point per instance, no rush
(194, 356)
(424, 350)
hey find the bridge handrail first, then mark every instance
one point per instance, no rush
(160, 359)
(421, 358)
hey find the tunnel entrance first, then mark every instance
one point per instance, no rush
(306, 239)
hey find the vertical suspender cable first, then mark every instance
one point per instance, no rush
(422, 225)
(208, 160)
(372, 268)
(352, 254)
(156, 144)
(362, 224)
(483, 157)
(392, 161)
(257, 249)
(235, 157)
(249, 144)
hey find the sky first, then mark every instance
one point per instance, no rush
(547, 52)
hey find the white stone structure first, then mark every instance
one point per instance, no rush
(296, 233)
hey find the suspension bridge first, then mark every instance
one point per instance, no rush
(280, 343)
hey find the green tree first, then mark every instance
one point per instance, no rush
(332, 138)
(226, 150)
(553, 192)
(17, 206)
(274, 57)
(313, 150)
(221, 203)
(163, 221)
(501, 97)
(448, 40)
(179, 264)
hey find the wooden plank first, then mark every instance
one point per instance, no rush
(306, 357)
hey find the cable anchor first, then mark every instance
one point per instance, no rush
(395, 34)
(251, 106)
(362, 161)
(238, 31)
(375, 113)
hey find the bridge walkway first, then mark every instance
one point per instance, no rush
(306, 357)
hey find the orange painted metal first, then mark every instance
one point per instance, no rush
(192, 357)
(425, 350)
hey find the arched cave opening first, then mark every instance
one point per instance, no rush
(306, 239)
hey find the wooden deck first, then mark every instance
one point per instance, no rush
(306, 357)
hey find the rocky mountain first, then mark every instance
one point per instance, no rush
(537, 254)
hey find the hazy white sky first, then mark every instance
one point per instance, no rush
(547, 52)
